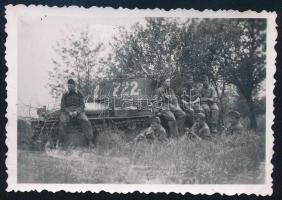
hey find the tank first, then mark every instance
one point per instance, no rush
(124, 104)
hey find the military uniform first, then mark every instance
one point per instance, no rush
(235, 129)
(160, 134)
(191, 93)
(201, 130)
(73, 101)
(209, 106)
(150, 135)
(169, 109)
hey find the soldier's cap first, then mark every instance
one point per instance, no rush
(235, 114)
(189, 76)
(71, 81)
(200, 115)
(204, 77)
(156, 119)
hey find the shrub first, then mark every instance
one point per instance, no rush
(24, 134)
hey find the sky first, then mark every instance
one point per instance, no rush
(36, 39)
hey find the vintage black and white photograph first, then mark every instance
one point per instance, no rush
(141, 99)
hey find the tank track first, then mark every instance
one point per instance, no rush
(121, 123)
(47, 129)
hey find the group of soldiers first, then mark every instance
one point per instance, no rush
(196, 108)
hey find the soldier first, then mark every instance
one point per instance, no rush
(200, 127)
(72, 108)
(208, 103)
(154, 132)
(158, 129)
(235, 127)
(170, 109)
(190, 99)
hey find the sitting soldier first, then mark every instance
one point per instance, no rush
(208, 103)
(169, 109)
(200, 127)
(190, 99)
(235, 127)
(72, 108)
(154, 132)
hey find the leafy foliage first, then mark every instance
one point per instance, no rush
(149, 50)
(77, 57)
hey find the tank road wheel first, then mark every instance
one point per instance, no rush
(74, 136)
(132, 126)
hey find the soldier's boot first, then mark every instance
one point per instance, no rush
(213, 128)
(180, 125)
(214, 120)
(173, 132)
(91, 144)
(206, 111)
(87, 130)
(189, 119)
(61, 134)
(214, 115)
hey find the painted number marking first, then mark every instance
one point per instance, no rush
(116, 88)
(96, 90)
(134, 90)
(123, 91)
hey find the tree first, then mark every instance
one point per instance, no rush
(243, 59)
(200, 39)
(76, 57)
(229, 51)
(146, 50)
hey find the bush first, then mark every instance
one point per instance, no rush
(24, 134)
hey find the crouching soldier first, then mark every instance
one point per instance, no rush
(170, 110)
(208, 103)
(154, 132)
(200, 128)
(72, 108)
(235, 127)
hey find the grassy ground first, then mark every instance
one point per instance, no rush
(220, 160)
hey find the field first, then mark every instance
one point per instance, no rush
(221, 160)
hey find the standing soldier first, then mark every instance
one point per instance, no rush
(235, 127)
(72, 107)
(200, 127)
(208, 103)
(170, 109)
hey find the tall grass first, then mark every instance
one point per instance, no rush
(232, 159)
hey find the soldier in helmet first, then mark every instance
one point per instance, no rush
(208, 103)
(235, 127)
(170, 110)
(72, 108)
(200, 127)
(154, 132)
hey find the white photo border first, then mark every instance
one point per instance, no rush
(12, 15)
